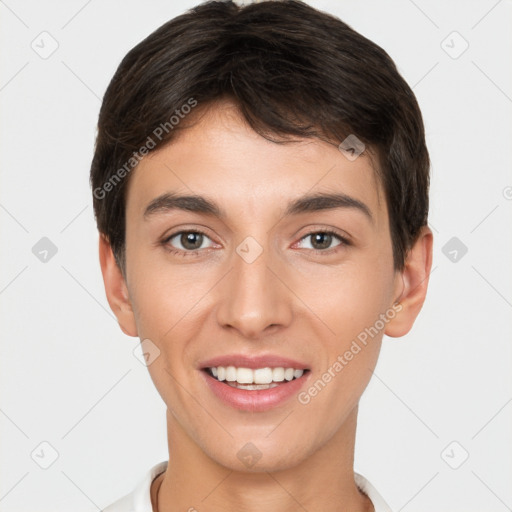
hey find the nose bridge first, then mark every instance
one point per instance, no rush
(253, 298)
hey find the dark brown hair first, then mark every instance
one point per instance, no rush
(292, 71)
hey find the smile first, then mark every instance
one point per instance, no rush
(254, 379)
(256, 389)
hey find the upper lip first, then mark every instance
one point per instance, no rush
(253, 362)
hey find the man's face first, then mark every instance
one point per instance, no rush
(261, 286)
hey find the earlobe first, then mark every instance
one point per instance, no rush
(415, 278)
(116, 289)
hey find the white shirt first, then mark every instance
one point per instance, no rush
(139, 500)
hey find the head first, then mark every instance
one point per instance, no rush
(260, 184)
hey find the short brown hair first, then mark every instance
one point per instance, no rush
(292, 71)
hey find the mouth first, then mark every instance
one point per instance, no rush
(254, 383)
(255, 379)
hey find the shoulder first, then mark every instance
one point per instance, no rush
(138, 500)
(367, 488)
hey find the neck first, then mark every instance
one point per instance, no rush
(323, 481)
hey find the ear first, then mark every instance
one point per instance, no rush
(116, 289)
(413, 281)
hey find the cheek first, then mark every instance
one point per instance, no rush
(164, 297)
(348, 299)
(353, 314)
(352, 305)
(169, 307)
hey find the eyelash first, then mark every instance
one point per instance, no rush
(344, 242)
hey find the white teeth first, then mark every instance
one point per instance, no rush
(260, 378)
(263, 376)
(231, 373)
(252, 387)
(244, 376)
(278, 374)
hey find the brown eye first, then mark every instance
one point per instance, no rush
(187, 241)
(321, 240)
(191, 240)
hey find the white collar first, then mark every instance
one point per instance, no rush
(139, 500)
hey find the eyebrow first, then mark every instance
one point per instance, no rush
(308, 203)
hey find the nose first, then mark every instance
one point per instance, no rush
(254, 299)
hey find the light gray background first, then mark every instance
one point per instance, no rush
(68, 375)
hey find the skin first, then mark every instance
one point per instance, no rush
(290, 301)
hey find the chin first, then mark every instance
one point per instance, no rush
(260, 454)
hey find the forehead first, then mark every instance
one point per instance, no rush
(218, 155)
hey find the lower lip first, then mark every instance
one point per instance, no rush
(257, 400)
